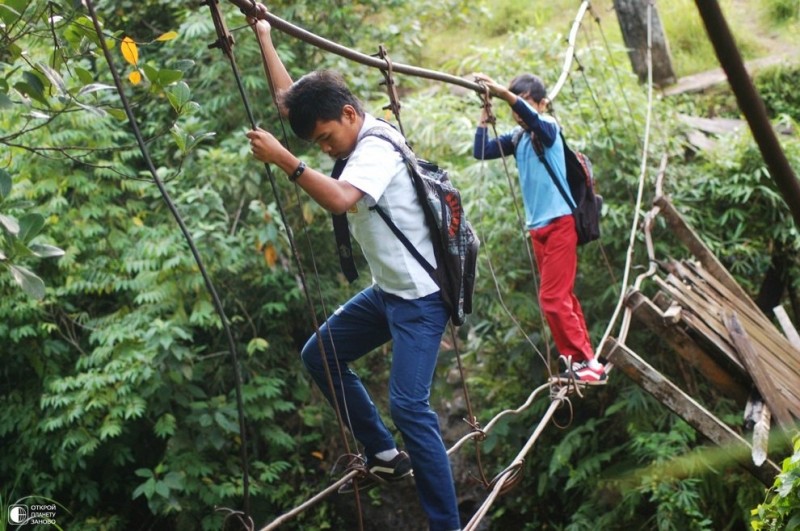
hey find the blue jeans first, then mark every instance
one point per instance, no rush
(365, 322)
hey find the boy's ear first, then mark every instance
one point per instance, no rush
(349, 113)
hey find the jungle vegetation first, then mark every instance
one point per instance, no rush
(117, 388)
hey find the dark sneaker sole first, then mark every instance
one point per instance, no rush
(372, 481)
(385, 474)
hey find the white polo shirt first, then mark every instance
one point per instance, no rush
(378, 170)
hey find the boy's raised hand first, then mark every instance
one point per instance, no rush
(483, 79)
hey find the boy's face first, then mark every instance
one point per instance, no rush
(337, 138)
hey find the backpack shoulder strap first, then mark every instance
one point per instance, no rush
(411, 162)
(538, 147)
(383, 133)
(516, 136)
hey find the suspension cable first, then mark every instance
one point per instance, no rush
(225, 43)
(195, 253)
(642, 175)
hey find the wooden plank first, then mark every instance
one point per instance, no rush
(758, 318)
(648, 313)
(704, 80)
(722, 344)
(775, 351)
(696, 246)
(717, 126)
(788, 328)
(762, 380)
(710, 324)
(743, 306)
(684, 406)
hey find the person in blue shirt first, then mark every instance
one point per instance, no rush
(548, 217)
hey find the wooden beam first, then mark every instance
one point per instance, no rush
(703, 311)
(687, 408)
(757, 415)
(696, 246)
(788, 328)
(764, 383)
(697, 319)
(647, 313)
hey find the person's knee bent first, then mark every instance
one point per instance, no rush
(310, 355)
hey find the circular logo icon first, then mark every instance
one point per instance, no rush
(17, 514)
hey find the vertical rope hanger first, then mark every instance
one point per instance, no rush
(285, 137)
(391, 88)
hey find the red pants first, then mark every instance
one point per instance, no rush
(556, 249)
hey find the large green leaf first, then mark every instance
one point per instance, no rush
(54, 77)
(29, 226)
(29, 281)
(5, 184)
(167, 76)
(9, 12)
(179, 95)
(9, 224)
(43, 250)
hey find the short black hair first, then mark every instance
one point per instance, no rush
(528, 84)
(319, 95)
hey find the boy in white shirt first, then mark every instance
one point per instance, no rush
(403, 304)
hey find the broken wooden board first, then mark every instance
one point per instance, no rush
(750, 357)
(645, 311)
(687, 408)
(704, 300)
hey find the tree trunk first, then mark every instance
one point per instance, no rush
(632, 16)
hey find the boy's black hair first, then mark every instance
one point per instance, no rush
(528, 84)
(319, 95)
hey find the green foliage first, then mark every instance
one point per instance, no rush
(118, 392)
(17, 243)
(781, 509)
(782, 11)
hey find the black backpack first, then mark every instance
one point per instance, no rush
(455, 244)
(585, 204)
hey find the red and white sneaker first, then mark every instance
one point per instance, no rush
(582, 373)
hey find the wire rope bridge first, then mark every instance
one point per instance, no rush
(700, 311)
(558, 394)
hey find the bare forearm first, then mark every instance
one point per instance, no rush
(273, 66)
(332, 195)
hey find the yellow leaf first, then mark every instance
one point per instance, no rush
(168, 36)
(135, 77)
(138, 221)
(308, 213)
(129, 50)
(270, 255)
